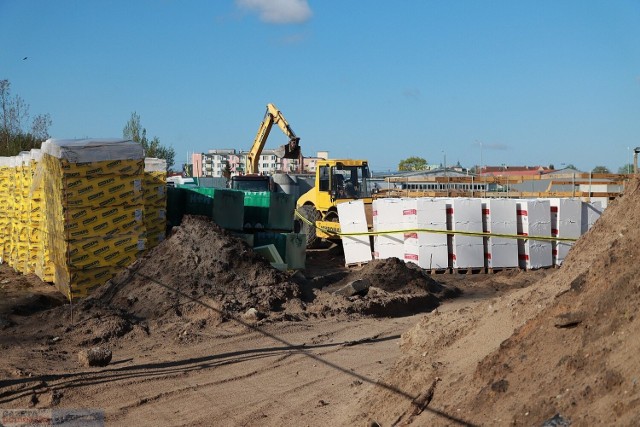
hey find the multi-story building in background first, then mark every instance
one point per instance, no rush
(214, 162)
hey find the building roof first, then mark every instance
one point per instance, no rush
(506, 170)
(425, 173)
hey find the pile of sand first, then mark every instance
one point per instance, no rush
(396, 289)
(202, 276)
(200, 269)
(565, 349)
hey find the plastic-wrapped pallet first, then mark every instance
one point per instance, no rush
(428, 250)
(155, 200)
(94, 216)
(7, 178)
(42, 265)
(13, 209)
(19, 257)
(35, 214)
(466, 251)
(387, 216)
(500, 217)
(357, 249)
(534, 219)
(566, 222)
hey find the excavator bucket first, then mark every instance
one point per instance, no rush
(290, 150)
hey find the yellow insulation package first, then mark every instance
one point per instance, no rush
(7, 184)
(155, 200)
(39, 247)
(20, 257)
(94, 224)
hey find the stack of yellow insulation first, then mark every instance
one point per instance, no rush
(7, 172)
(94, 209)
(155, 200)
(41, 262)
(19, 256)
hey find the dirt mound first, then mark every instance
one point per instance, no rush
(397, 289)
(201, 270)
(394, 275)
(202, 276)
(564, 349)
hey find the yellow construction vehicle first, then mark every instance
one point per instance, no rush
(336, 181)
(252, 180)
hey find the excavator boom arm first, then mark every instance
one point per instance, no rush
(289, 151)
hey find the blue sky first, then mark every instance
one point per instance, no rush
(515, 82)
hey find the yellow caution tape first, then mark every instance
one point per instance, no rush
(434, 231)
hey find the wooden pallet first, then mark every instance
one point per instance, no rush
(434, 271)
(492, 270)
(355, 264)
(474, 270)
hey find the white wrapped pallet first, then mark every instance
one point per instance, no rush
(387, 216)
(591, 211)
(387, 211)
(566, 222)
(500, 217)
(534, 219)
(428, 250)
(466, 251)
(357, 249)
(426, 213)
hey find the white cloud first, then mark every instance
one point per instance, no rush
(278, 11)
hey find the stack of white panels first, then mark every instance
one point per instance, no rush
(500, 217)
(534, 219)
(466, 215)
(353, 219)
(591, 211)
(428, 250)
(566, 222)
(387, 216)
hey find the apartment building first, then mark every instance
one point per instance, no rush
(214, 162)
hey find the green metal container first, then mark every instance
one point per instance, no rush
(175, 206)
(225, 207)
(268, 211)
(263, 238)
(295, 250)
(292, 247)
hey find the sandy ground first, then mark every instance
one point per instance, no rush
(306, 371)
(214, 336)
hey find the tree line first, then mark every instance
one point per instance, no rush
(20, 132)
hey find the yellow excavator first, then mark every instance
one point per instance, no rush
(253, 181)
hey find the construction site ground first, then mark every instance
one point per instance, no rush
(204, 332)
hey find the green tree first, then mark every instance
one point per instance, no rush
(15, 133)
(600, 169)
(628, 168)
(134, 131)
(412, 164)
(226, 172)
